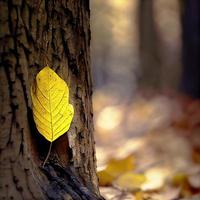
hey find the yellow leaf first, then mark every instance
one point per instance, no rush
(105, 179)
(115, 168)
(180, 179)
(130, 181)
(52, 112)
(139, 195)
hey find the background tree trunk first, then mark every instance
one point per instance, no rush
(150, 64)
(32, 35)
(191, 47)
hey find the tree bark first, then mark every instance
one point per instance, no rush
(32, 35)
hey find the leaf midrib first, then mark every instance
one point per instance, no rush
(49, 91)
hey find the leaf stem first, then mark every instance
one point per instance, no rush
(48, 154)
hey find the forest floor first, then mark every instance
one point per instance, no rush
(148, 148)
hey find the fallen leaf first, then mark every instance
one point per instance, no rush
(139, 195)
(155, 178)
(180, 179)
(111, 193)
(130, 181)
(119, 166)
(115, 167)
(105, 179)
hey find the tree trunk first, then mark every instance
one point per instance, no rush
(150, 62)
(32, 35)
(191, 47)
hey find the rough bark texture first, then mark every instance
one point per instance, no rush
(32, 35)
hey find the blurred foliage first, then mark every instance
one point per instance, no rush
(147, 141)
(159, 158)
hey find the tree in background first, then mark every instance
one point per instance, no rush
(150, 64)
(159, 30)
(191, 47)
(33, 34)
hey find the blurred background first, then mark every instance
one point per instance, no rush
(146, 73)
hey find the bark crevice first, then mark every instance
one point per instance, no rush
(33, 34)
